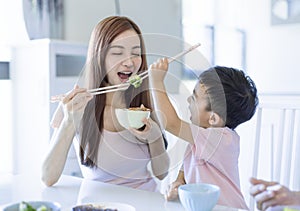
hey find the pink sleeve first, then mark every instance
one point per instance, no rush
(213, 142)
(227, 154)
(206, 141)
(57, 117)
(218, 146)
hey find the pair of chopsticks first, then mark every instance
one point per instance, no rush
(124, 86)
(117, 87)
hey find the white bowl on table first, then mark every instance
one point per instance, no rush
(198, 196)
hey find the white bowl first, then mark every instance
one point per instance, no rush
(131, 118)
(198, 197)
(53, 206)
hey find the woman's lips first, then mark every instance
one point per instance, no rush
(124, 76)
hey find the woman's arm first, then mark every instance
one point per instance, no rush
(73, 106)
(55, 160)
(152, 136)
(159, 158)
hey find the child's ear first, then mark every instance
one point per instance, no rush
(215, 120)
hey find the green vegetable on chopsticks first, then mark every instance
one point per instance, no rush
(135, 80)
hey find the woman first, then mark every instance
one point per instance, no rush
(108, 152)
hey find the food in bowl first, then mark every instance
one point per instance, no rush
(33, 206)
(132, 117)
(92, 207)
(104, 206)
(198, 196)
(142, 108)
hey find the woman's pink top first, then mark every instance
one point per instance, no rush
(122, 160)
(213, 158)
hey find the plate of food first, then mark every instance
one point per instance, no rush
(33, 206)
(104, 206)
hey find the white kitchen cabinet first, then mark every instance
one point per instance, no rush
(40, 69)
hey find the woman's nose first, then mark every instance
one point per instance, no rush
(128, 62)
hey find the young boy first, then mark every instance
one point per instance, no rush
(222, 99)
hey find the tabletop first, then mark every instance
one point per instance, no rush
(70, 191)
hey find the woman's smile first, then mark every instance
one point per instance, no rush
(124, 76)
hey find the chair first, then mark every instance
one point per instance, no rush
(277, 141)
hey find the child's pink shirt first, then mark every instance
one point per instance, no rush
(213, 158)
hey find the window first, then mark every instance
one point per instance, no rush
(5, 119)
(218, 27)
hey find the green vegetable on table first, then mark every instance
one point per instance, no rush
(42, 208)
(24, 206)
(135, 80)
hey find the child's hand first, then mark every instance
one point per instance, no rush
(172, 191)
(159, 69)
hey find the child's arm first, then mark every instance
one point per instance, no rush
(169, 117)
(172, 192)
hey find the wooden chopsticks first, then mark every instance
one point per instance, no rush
(106, 89)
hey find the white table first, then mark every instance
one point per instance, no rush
(70, 191)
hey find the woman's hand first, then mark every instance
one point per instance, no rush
(75, 102)
(269, 194)
(150, 133)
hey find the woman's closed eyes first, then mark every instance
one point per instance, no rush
(120, 50)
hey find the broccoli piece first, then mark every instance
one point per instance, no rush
(42, 208)
(25, 207)
(135, 80)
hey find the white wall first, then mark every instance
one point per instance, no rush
(12, 25)
(82, 15)
(272, 51)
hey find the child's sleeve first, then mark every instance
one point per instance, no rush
(206, 141)
(218, 147)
